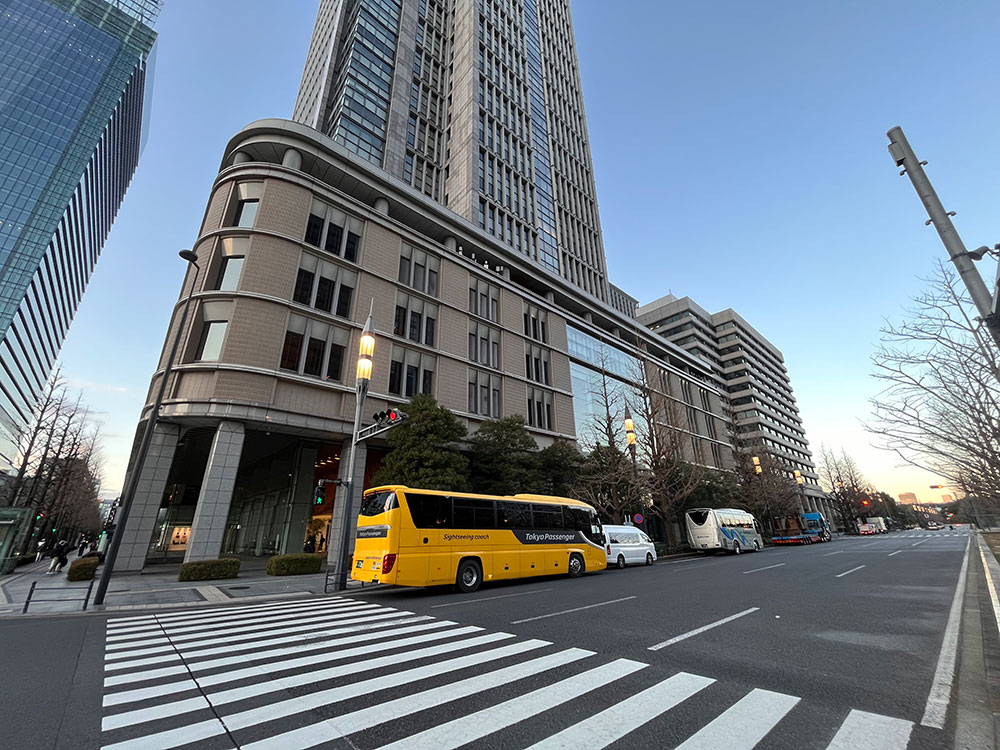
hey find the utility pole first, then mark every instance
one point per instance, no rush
(985, 302)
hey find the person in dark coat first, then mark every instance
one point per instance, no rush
(310, 545)
(59, 558)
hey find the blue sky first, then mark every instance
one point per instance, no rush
(740, 156)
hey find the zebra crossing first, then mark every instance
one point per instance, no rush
(300, 674)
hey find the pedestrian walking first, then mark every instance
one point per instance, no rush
(41, 551)
(310, 545)
(83, 547)
(322, 541)
(59, 558)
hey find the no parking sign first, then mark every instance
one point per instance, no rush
(638, 518)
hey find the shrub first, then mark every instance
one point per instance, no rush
(82, 569)
(294, 565)
(208, 570)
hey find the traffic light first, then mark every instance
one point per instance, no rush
(389, 417)
(39, 516)
(864, 503)
(319, 494)
(937, 486)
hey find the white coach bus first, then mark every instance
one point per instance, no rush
(710, 530)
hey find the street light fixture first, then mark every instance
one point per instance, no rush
(121, 516)
(366, 351)
(630, 439)
(757, 468)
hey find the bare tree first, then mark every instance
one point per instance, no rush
(940, 405)
(765, 489)
(845, 485)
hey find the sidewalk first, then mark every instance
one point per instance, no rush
(155, 588)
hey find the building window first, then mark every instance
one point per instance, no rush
(325, 286)
(314, 348)
(540, 409)
(484, 394)
(246, 212)
(212, 335)
(484, 344)
(410, 372)
(334, 231)
(419, 270)
(232, 251)
(536, 364)
(535, 323)
(484, 299)
(415, 319)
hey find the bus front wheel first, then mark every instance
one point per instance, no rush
(736, 548)
(576, 566)
(470, 575)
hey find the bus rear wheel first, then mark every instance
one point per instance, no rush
(576, 566)
(736, 548)
(470, 575)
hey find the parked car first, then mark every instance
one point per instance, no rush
(934, 526)
(628, 544)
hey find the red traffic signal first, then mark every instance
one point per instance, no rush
(865, 503)
(937, 486)
(389, 417)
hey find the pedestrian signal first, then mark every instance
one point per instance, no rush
(319, 494)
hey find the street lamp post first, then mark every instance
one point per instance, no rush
(366, 350)
(799, 480)
(121, 516)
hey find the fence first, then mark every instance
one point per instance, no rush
(35, 587)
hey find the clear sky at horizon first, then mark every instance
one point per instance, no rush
(740, 158)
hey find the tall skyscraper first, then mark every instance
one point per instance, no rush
(763, 411)
(72, 94)
(475, 103)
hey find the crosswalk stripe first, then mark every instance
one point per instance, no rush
(228, 617)
(262, 624)
(313, 677)
(302, 648)
(302, 703)
(152, 713)
(871, 732)
(365, 718)
(368, 626)
(185, 735)
(743, 724)
(130, 696)
(217, 611)
(613, 723)
(475, 726)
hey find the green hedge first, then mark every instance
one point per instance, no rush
(295, 565)
(82, 569)
(208, 570)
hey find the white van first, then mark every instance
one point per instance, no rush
(627, 544)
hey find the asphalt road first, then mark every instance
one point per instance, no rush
(828, 646)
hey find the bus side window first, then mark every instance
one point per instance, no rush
(472, 513)
(547, 516)
(429, 511)
(511, 515)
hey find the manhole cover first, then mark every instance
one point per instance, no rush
(237, 588)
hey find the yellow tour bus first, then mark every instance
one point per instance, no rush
(415, 537)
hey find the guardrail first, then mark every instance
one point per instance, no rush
(36, 587)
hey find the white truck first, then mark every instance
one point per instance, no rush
(878, 525)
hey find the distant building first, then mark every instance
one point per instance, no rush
(72, 96)
(946, 498)
(752, 372)
(907, 498)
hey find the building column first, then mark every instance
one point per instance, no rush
(141, 522)
(216, 493)
(353, 505)
(300, 504)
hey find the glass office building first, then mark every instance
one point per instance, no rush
(72, 117)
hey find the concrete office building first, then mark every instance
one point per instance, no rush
(752, 371)
(299, 236)
(476, 104)
(72, 119)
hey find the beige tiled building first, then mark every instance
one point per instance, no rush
(299, 238)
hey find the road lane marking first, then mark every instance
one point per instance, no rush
(872, 732)
(895, 553)
(750, 719)
(462, 731)
(488, 598)
(838, 552)
(990, 586)
(757, 570)
(678, 562)
(613, 723)
(944, 674)
(575, 609)
(703, 628)
(848, 572)
(920, 542)
(380, 713)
